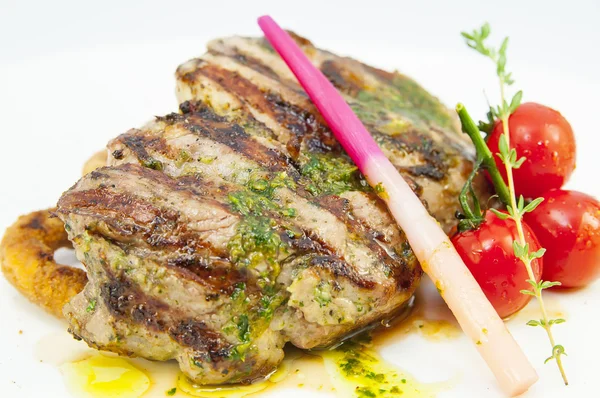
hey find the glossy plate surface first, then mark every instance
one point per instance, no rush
(73, 75)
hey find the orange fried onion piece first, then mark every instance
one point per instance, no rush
(27, 260)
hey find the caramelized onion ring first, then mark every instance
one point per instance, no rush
(27, 256)
(27, 260)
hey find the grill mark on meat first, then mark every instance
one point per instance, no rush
(218, 274)
(125, 300)
(427, 170)
(340, 269)
(306, 128)
(309, 242)
(398, 266)
(323, 256)
(192, 261)
(337, 76)
(196, 334)
(103, 199)
(137, 143)
(188, 107)
(199, 112)
(161, 228)
(203, 122)
(345, 80)
(301, 123)
(234, 53)
(313, 133)
(246, 60)
(319, 138)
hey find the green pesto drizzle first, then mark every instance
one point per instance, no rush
(257, 244)
(406, 98)
(381, 192)
(257, 198)
(256, 241)
(323, 293)
(91, 306)
(332, 174)
(182, 158)
(151, 163)
(358, 371)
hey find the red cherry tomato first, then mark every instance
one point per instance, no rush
(488, 253)
(567, 224)
(546, 139)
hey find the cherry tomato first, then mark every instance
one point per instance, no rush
(567, 224)
(546, 139)
(488, 253)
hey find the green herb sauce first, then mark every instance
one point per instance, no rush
(358, 371)
(152, 163)
(407, 99)
(91, 306)
(332, 174)
(256, 242)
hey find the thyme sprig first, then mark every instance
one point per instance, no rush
(515, 208)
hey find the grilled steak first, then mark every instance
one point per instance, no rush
(220, 233)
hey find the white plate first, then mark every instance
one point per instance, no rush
(74, 75)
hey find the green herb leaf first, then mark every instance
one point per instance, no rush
(556, 321)
(532, 205)
(547, 285)
(243, 326)
(510, 211)
(488, 125)
(557, 351)
(520, 250)
(533, 323)
(467, 36)
(537, 254)
(508, 79)
(516, 101)
(519, 163)
(501, 62)
(520, 204)
(532, 283)
(485, 31)
(91, 306)
(501, 215)
(503, 147)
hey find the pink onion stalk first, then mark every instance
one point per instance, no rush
(433, 249)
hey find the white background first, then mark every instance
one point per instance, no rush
(75, 74)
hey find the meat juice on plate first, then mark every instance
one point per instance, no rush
(351, 369)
